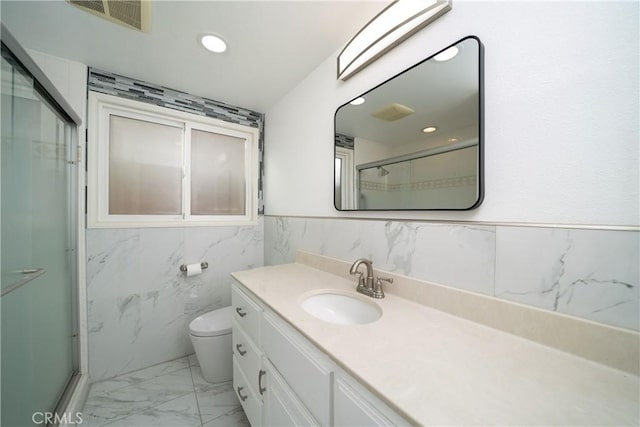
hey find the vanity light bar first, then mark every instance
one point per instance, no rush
(395, 23)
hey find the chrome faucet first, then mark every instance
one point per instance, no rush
(365, 284)
(362, 282)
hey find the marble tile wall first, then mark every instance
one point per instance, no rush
(591, 274)
(137, 296)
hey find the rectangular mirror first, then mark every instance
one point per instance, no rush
(415, 142)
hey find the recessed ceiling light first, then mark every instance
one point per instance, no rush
(358, 101)
(429, 129)
(213, 43)
(447, 54)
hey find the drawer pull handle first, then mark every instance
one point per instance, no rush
(242, 353)
(243, 398)
(240, 312)
(260, 388)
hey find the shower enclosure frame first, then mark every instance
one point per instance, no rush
(72, 400)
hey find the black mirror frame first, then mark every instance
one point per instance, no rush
(481, 190)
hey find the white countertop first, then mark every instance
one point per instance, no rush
(437, 369)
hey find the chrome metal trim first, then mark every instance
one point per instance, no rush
(67, 394)
(358, 216)
(420, 154)
(260, 375)
(243, 398)
(31, 273)
(435, 10)
(242, 353)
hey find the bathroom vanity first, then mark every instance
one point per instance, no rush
(283, 379)
(413, 365)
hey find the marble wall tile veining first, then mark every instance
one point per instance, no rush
(111, 259)
(587, 273)
(137, 296)
(461, 256)
(454, 255)
(591, 274)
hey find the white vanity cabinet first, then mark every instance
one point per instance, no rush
(251, 403)
(282, 379)
(247, 355)
(265, 352)
(281, 405)
(305, 369)
(353, 405)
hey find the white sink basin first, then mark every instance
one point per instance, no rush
(339, 308)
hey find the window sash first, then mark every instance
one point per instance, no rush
(102, 107)
(189, 173)
(142, 153)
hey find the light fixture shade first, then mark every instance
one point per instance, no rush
(395, 23)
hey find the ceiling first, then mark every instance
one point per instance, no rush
(442, 94)
(273, 45)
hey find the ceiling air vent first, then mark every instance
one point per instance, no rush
(393, 112)
(130, 13)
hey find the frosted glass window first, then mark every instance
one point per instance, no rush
(218, 174)
(150, 166)
(145, 167)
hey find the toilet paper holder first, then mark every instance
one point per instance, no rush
(203, 265)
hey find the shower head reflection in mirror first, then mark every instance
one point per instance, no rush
(382, 171)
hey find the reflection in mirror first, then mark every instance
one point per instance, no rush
(415, 141)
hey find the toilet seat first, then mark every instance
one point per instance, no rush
(212, 324)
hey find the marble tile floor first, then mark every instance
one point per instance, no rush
(172, 394)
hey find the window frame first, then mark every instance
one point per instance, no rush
(102, 106)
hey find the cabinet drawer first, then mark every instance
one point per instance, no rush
(251, 405)
(281, 406)
(303, 367)
(246, 313)
(247, 356)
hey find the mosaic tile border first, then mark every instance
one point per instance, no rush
(344, 141)
(420, 186)
(138, 90)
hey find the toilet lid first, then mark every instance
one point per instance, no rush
(212, 324)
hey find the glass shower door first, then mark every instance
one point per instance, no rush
(38, 250)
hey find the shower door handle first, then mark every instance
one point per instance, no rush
(27, 275)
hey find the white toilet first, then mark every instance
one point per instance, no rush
(211, 338)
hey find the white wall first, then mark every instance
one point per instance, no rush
(561, 115)
(69, 77)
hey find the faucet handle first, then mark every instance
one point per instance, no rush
(360, 279)
(377, 290)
